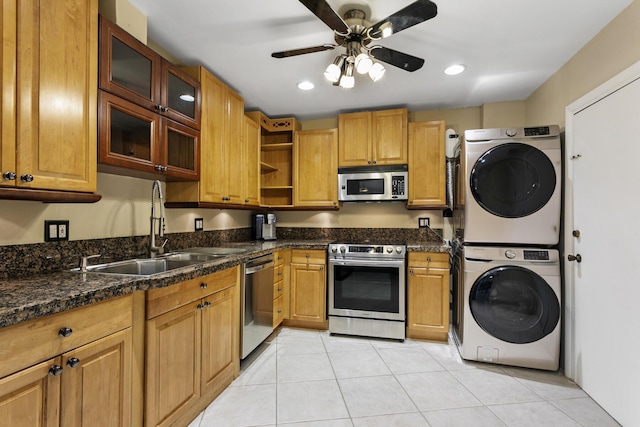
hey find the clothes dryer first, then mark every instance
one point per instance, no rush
(511, 306)
(513, 186)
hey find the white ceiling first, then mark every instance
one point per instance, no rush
(509, 48)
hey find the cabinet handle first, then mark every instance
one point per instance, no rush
(9, 176)
(73, 362)
(200, 306)
(65, 332)
(26, 177)
(207, 304)
(203, 285)
(576, 258)
(55, 370)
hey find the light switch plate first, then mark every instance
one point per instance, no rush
(423, 222)
(199, 224)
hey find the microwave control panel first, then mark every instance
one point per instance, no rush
(398, 185)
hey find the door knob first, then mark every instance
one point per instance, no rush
(576, 258)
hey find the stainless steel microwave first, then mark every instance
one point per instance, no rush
(372, 183)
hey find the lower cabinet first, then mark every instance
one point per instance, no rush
(428, 296)
(192, 348)
(308, 293)
(88, 384)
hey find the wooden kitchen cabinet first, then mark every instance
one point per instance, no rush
(427, 168)
(276, 159)
(315, 180)
(48, 111)
(373, 138)
(192, 347)
(252, 162)
(308, 296)
(149, 111)
(224, 156)
(80, 379)
(428, 296)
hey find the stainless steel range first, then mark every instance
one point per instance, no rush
(367, 290)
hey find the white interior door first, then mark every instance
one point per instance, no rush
(603, 291)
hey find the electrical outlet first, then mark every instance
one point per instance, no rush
(423, 222)
(199, 224)
(55, 231)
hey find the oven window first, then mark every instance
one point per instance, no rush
(367, 288)
(365, 186)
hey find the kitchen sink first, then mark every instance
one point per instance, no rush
(218, 251)
(151, 266)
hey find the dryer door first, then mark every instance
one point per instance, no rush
(513, 180)
(514, 304)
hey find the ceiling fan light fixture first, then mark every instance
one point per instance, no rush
(334, 70)
(363, 63)
(347, 80)
(386, 30)
(377, 71)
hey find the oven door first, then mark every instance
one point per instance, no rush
(372, 289)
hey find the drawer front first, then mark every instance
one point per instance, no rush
(278, 289)
(278, 310)
(278, 273)
(429, 259)
(162, 300)
(36, 340)
(307, 256)
(278, 258)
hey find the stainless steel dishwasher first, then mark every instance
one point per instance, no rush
(257, 303)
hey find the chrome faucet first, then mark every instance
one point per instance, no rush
(153, 249)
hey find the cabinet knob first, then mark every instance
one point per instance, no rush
(55, 370)
(9, 176)
(73, 362)
(26, 177)
(65, 332)
(321, 268)
(200, 306)
(279, 311)
(428, 259)
(369, 162)
(162, 108)
(307, 256)
(279, 273)
(203, 285)
(375, 162)
(279, 289)
(410, 271)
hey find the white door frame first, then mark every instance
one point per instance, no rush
(625, 77)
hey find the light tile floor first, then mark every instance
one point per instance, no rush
(312, 379)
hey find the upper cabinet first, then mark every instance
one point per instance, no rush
(276, 159)
(373, 138)
(149, 110)
(49, 91)
(315, 168)
(227, 162)
(427, 170)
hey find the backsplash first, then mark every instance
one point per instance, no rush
(17, 261)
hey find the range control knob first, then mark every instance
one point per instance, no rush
(389, 249)
(399, 249)
(510, 254)
(343, 250)
(334, 249)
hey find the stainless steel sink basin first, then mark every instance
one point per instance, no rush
(215, 251)
(150, 266)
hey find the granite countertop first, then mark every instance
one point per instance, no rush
(41, 295)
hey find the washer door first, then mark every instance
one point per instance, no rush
(514, 304)
(513, 180)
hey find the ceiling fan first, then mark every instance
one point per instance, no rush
(356, 34)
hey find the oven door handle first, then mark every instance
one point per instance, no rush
(368, 263)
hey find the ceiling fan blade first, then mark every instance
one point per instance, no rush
(397, 59)
(295, 52)
(415, 13)
(322, 10)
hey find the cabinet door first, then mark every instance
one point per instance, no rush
(180, 95)
(57, 94)
(31, 397)
(234, 149)
(316, 168)
(308, 294)
(428, 303)
(96, 383)
(252, 161)
(427, 172)
(354, 148)
(389, 137)
(181, 146)
(220, 323)
(172, 364)
(8, 92)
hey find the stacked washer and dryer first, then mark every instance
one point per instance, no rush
(507, 288)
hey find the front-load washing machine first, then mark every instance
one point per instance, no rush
(513, 186)
(511, 306)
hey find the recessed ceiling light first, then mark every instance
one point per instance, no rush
(452, 70)
(306, 85)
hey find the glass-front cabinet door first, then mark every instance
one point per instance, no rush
(182, 150)
(180, 96)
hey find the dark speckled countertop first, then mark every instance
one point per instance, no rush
(41, 295)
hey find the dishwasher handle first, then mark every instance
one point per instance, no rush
(260, 263)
